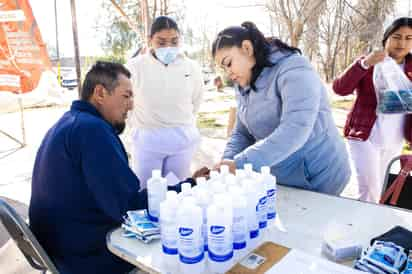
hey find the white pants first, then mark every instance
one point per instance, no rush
(370, 162)
(170, 150)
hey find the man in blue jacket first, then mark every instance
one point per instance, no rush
(82, 184)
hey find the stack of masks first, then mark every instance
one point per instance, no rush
(395, 101)
(382, 258)
(137, 225)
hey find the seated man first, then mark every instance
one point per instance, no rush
(82, 184)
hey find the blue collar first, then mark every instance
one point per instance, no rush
(84, 106)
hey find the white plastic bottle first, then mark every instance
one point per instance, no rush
(239, 224)
(186, 189)
(252, 217)
(249, 173)
(201, 183)
(190, 242)
(220, 238)
(156, 193)
(262, 204)
(224, 172)
(214, 174)
(217, 187)
(240, 175)
(168, 230)
(203, 201)
(271, 189)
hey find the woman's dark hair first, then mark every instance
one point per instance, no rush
(397, 24)
(161, 23)
(262, 47)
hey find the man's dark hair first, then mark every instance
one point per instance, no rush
(105, 74)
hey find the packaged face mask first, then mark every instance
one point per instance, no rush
(382, 257)
(167, 55)
(137, 216)
(408, 268)
(137, 224)
(386, 254)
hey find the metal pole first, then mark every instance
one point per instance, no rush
(57, 30)
(76, 44)
(59, 78)
(409, 8)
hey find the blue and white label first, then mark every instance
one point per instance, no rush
(253, 234)
(239, 229)
(215, 229)
(169, 237)
(271, 193)
(153, 206)
(220, 243)
(185, 231)
(190, 245)
(169, 251)
(262, 212)
(220, 258)
(271, 206)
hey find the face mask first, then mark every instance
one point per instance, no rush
(166, 55)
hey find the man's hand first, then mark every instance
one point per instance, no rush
(202, 172)
(225, 162)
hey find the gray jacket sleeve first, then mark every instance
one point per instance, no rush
(239, 140)
(300, 88)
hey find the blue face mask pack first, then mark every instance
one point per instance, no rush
(382, 258)
(137, 224)
(166, 55)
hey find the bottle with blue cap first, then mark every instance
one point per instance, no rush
(168, 231)
(156, 193)
(220, 238)
(190, 242)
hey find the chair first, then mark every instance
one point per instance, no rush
(397, 188)
(25, 240)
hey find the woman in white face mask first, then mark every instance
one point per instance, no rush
(168, 88)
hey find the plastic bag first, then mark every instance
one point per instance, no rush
(393, 88)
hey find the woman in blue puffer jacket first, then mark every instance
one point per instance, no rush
(284, 119)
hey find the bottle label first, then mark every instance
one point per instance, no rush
(154, 207)
(220, 244)
(262, 212)
(190, 245)
(169, 251)
(254, 233)
(169, 237)
(271, 209)
(239, 231)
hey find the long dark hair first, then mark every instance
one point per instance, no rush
(397, 24)
(234, 36)
(161, 23)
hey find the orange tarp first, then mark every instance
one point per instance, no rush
(23, 55)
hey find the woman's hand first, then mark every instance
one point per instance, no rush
(202, 172)
(374, 57)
